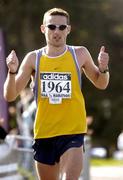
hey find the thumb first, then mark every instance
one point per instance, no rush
(13, 52)
(102, 49)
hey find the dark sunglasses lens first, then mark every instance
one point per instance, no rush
(62, 27)
(51, 27)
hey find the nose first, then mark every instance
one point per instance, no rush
(56, 30)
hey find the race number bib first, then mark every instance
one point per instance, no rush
(55, 86)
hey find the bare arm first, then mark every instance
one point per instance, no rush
(92, 72)
(15, 83)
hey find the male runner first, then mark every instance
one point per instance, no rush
(60, 122)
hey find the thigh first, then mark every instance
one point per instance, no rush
(47, 172)
(71, 163)
(45, 151)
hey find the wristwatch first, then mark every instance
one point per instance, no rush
(12, 72)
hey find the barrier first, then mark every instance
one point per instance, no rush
(16, 153)
(85, 175)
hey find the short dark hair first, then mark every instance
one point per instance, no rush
(55, 12)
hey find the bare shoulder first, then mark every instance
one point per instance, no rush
(82, 54)
(81, 50)
(29, 59)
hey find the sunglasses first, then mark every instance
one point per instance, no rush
(54, 26)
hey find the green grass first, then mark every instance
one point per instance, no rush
(26, 174)
(106, 162)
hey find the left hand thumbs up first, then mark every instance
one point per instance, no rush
(103, 58)
(102, 49)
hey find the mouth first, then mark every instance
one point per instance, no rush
(57, 38)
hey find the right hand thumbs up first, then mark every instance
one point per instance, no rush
(12, 61)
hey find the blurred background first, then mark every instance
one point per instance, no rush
(94, 23)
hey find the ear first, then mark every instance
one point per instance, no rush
(42, 28)
(69, 29)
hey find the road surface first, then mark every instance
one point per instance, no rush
(106, 173)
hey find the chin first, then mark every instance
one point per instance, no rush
(57, 44)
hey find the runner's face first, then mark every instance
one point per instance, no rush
(55, 37)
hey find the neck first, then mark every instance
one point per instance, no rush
(55, 51)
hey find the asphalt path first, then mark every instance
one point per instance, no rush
(106, 173)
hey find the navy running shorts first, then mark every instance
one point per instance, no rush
(49, 150)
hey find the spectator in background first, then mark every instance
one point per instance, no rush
(120, 141)
(3, 132)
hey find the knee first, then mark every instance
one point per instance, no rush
(69, 176)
